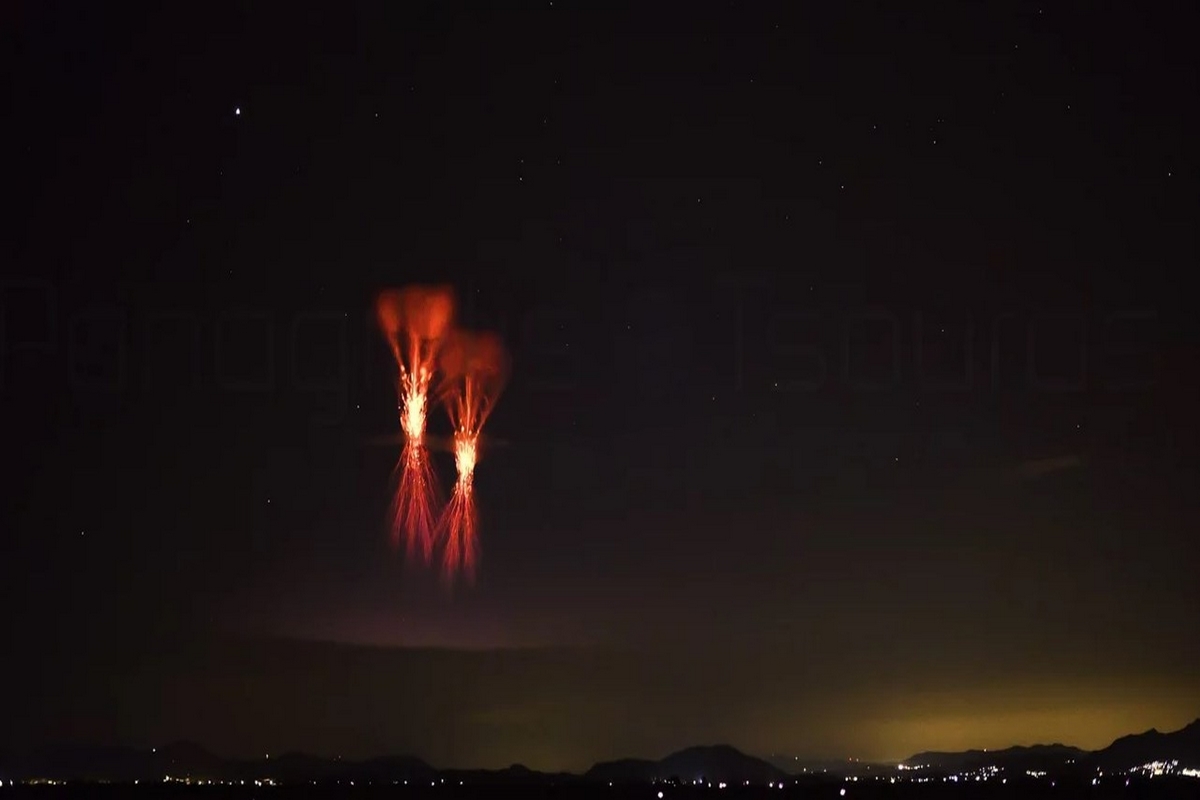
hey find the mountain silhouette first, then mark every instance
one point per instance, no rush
(1123, 754)
(710, 764)
(1136, 749)
(625, 770)
(189, 760)
(78, 762)
(716, 763)
(1039, 757)
(186, 758)
(294, 767)
(515, 775)
(388, 768)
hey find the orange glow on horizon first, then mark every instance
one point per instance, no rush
(1087, 716)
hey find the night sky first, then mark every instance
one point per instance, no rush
(853, 396)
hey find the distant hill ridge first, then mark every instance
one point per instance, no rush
(1182, 745)
(712, 763)
(1041, 757)
(719, 763)
(189, 760)
(1123, 754)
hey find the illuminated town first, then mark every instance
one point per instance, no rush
(902, 773)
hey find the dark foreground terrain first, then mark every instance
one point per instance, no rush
(1165, 788)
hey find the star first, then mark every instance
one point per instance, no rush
(237, 112)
